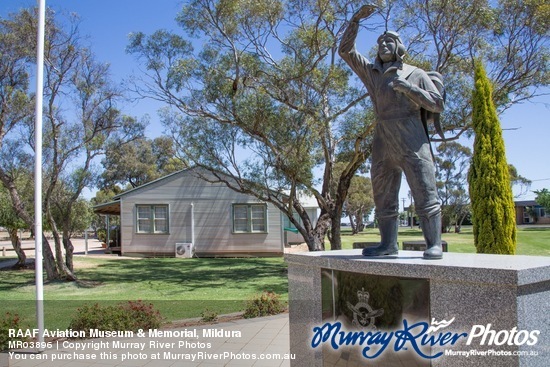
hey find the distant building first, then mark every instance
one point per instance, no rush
(183, 209)
(529, 212)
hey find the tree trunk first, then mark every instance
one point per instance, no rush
(354, 228)
(49, 261)
(315, 239)
(69, 249)
(16, 243)
(336, 233)
(57, 245)
(64, 271)
(458, 226)
(360, 223)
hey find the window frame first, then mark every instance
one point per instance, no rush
(249, 218)
(152, 220)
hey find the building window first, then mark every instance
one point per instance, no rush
(152, 219)
(249, 218)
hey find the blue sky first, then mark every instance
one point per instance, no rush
(108, 23)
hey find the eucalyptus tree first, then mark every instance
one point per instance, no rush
(359, 202)
(139, 161)
(80, 117)
(266, 104)
(16, 107)
(75, 140)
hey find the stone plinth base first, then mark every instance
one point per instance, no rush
(503, 298)
(421, 245)
(407, 245)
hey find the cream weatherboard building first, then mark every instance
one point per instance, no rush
(182, 211)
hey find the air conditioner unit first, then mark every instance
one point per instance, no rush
(184, 250)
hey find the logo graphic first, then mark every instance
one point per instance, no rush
(419, 337)
(363, 313)
(436, 325)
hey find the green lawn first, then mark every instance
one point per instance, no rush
(531, 240)
(183, 288)
(179, 288)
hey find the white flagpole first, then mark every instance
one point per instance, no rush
(38, 173)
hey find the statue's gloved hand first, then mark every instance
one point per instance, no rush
(401, 85)
(364, 12)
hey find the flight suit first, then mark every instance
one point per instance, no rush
(400, 142)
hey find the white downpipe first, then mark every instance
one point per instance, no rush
(38, 173)
(193, 226)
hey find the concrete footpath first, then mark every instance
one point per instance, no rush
(254, 342)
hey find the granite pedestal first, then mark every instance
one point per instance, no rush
(407, 245)
(505, 295)
(421, 245)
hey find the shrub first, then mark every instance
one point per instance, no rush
(144, 316)
(264, 304)
(493, 213)
(102, 234)
(209, 316)
(125, 316)
(8, 321)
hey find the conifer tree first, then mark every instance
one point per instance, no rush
(493, 214)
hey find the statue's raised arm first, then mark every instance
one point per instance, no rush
(347, 44)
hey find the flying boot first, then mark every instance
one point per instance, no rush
(431, 228)
(388, 243)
